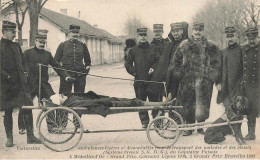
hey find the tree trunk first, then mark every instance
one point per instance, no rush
(20, 36)
(33, 13)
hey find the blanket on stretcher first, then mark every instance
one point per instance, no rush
(99, 104)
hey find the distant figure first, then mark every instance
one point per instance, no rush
(129, 43)
(141, 63)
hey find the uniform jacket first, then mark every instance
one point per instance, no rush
(251, 76)
(14, 90)
(140, 59)
(71, 55)
(33, 57)
(167, 49)
(231, 73)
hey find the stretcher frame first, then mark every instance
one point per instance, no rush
(169, 124)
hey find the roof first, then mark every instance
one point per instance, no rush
(63, 21)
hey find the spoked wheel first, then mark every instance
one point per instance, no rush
(60, 129)
(176, 117)
(162, 132)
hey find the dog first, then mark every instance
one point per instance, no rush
(234, 112)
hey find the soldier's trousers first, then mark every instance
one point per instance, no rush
(8, 121)
(21, 123)
(141, 93)
(66, 87)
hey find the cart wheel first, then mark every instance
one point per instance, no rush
(162, 132)
(58, 128)
(176, 117)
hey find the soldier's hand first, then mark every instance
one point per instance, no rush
(26, 73)
(88, 68)
(70, 79)
(150, 71)
(219, 88)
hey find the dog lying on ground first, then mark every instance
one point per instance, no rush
(234, 112)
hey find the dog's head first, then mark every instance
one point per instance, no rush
(241, 104)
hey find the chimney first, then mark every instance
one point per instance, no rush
(95, 25)
(64, 11)
(79, 15)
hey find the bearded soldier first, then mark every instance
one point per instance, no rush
(179, 32)
(196, 65)
(231, 69)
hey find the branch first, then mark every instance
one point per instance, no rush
(43, 3)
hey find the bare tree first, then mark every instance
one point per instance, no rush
(130, 27)
(35, 7)
(17, 8)
(221, 13)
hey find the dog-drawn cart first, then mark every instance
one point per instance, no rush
(67, 128)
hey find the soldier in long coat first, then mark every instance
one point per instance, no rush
(231, 69)
(155, 90)
(14, 90)
(38, 55)
(251, 77)
(197, 67)
(179, 32)
(140, 63)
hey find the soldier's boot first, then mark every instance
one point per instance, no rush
(251, 129)
(31, 139)
(8, 123)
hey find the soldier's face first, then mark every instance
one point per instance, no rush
(197, 33)
(10, 34)
(157, 34)
(142, 38)
(74, 35)
(231, 39)
(253, 41)
(39, 44)
(177, 33)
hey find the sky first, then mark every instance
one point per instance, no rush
(112, 14)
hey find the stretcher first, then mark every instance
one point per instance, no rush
(65, 135)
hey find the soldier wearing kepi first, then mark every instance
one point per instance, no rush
(38, 55)
(196, 65)
(14, 91)
(231, 69)
(251, 77)
(140, 63)
(71, 54)
(156, 90)
(178, 33)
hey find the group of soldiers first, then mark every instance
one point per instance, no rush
(190, 66)
(20, 75)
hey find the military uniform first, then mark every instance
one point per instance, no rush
(231, 71)
(171, 81)
(251, 77)
(71, 54)
(14, 90)
(33, 57)
(141, 58)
